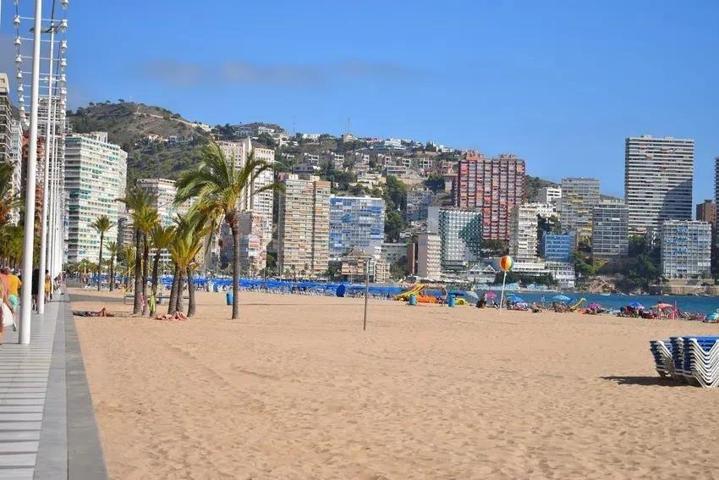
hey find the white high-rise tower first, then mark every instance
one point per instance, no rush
(658, 179)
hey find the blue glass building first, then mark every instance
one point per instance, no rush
(356, 223)
(558, 247)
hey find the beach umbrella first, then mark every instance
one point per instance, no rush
(505, 264)
(636, 305)
(561, 298)
(594, 306)
(490, 295)
(664, 305)
(515, 298)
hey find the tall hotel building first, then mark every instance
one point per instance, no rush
(579, 197)
(492, 187)
(525, 224)
(303, 226)
(10, 139)
(258, 203)
(163, 193)
(609, 230)
(356, 223)
(460, 233)
(95, 177)
(658, 181)
(685, 249)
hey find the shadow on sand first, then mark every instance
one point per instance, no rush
(79, 297)
(644, 381)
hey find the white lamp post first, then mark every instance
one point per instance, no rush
(45, 191)
(26, 311)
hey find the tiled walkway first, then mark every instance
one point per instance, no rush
(37, 429)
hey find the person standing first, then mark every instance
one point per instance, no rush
(35, 287)
(4, 304)
(14, 283)
(48, 286)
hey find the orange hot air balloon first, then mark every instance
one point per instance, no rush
(505, 263)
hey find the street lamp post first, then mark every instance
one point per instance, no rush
(366, 292)
(29, 230)
(45, 191)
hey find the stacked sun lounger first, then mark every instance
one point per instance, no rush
(694, 359)
(662, 353)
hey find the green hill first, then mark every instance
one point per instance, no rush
(159, 143)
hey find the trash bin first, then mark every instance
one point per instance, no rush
(413, 299)
(229, 298)
(450, 301)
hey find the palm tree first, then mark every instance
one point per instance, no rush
(218, 187)
(112, 248)
(147, 219)
(161, 238)
(101, 225)
(128, 254)
(184, 248)
(137, 201)
(8, 201)
(11, 237)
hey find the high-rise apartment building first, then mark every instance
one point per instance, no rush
(460, 232)
(610, 234)
(261, 203)
(253, 248)
(6, 119)
(707, 212)
(558, 247)
(162, 191)
(303, 226)
(525, 222)
(125, 229)
(356, 223)
(429, 256)
(685, 249)
(579, 196)
(658, 175)
(10, 140)
(492, 187)
(95, 177)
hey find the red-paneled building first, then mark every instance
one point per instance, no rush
(492, 186)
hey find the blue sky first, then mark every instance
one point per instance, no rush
(560, 83)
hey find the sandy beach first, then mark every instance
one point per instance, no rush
(296, 390)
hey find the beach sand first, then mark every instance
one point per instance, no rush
(296, 390)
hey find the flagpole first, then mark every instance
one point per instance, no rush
(501, 297)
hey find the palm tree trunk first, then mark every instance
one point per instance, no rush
(235, 269)
(155, 272)
(99, 262)
(180, 287)
(112, 272)
(190, 294)
(172, 305)
(137, 305)
(145, 266)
